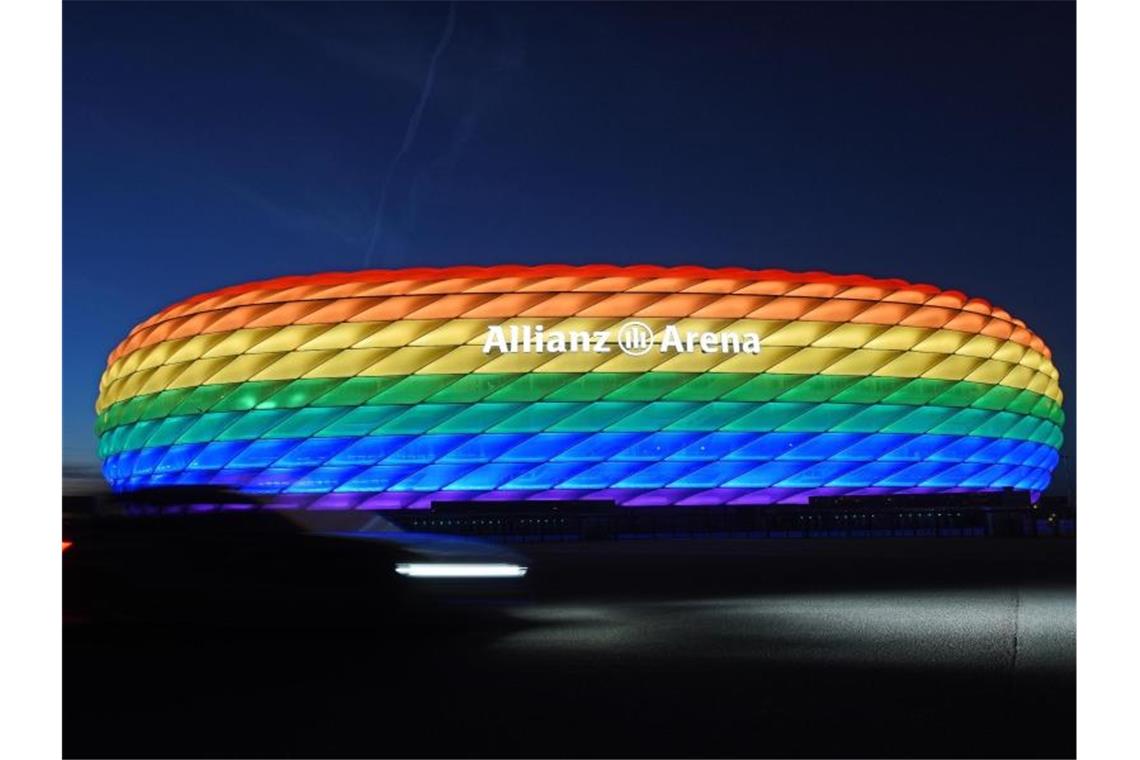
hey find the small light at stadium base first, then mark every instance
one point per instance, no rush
(460, 570)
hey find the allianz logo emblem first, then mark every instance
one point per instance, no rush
(631, 337)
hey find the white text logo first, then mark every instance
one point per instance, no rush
(632, 338)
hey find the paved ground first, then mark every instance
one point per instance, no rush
(916, 648)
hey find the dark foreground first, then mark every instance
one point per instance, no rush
(814, 648)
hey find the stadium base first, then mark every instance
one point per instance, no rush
(1008, 514)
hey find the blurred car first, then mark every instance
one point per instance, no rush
(204, 556)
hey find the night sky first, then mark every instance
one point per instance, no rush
(209, 144)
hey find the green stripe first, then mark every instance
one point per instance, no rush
(568, 416)
(583, 387)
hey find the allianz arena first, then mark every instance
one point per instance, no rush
(396, 389)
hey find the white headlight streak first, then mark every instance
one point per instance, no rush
(460, 570)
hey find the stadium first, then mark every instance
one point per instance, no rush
(679, 386)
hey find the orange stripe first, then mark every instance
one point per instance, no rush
(337, 297)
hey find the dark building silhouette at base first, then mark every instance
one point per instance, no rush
(996, 514)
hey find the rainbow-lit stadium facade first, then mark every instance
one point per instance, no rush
(379, 390)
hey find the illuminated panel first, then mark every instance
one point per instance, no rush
(379, 390)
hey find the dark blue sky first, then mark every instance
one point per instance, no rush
(207, 144)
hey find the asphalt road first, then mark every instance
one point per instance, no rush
(809, 648)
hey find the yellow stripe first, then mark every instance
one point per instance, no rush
(1031, 371)
(467, 359)
(472, 332)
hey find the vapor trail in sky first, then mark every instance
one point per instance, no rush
(410, 132)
